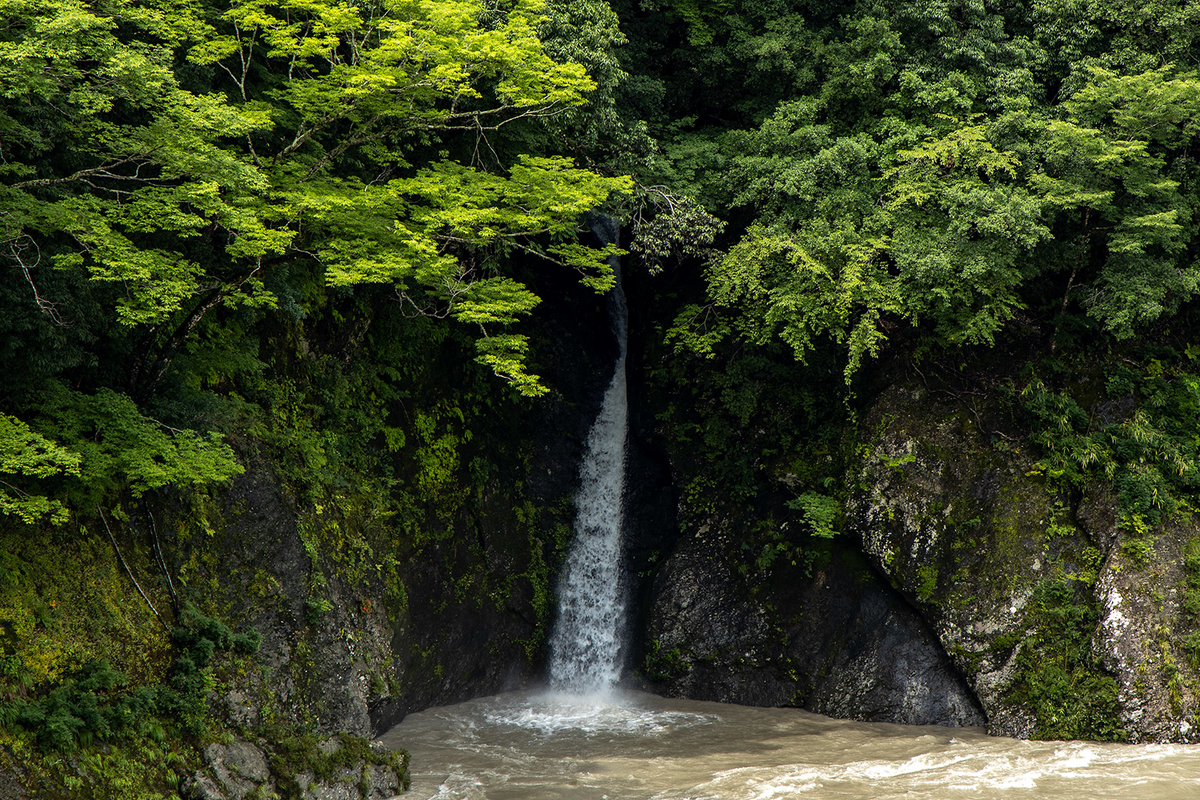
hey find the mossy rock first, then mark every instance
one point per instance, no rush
(962, 524)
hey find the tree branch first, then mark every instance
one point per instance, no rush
(15, 249)
(128, 571)
(162, 562)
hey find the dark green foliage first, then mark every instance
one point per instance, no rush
(945, 167)
(199, 636)
(184, 696)
(97, 705)
(315, 608)
(1058, 678)
(1191, 569)
(1143, 435)
(92, 705)
(757, 445)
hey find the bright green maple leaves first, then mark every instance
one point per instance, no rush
(24, 453)
(187, 197)
(450, 205)
(180, 153)
(105, 443)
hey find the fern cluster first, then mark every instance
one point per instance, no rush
(97, 704)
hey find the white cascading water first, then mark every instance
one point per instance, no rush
(585, 647)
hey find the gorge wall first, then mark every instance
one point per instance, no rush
(376, 580)
(942, 575)
(965, 586)
(302, 331)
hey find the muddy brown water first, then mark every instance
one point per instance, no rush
(632, 746)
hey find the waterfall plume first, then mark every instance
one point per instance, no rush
(587, 642)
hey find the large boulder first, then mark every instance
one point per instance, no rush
(1062, 627)
(832, 639)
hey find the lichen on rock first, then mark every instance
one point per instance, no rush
(1059, 633)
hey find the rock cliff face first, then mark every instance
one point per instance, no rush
(1059, 629)
(833, 640)
(1141, 640)
(334, 769)
(965, 590)
(364, 617)
(342, 651)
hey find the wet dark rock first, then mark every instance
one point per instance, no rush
(306, 669)
(1118, 409)
(867, 655)
(382, 782)
(650, 528)
(837, 642)
(705, 641)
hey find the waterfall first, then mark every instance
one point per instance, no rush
(585, 647)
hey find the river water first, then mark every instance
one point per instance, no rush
(632, 746)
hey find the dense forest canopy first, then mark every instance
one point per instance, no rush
(950, 166)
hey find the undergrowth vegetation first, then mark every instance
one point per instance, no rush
(94, 733)
(1142, 435)
(1058, 677)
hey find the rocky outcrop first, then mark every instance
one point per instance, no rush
(1062, 627)
(833, 640)
(957, 529)
(10, 786)
(234, 771)
(871, 657)
(1146, 637)
(704, 640)
(340, 768)
(969, 589)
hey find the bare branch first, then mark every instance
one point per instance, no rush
(104, 171)
(128, 571)
(17, 246)
(162, 562)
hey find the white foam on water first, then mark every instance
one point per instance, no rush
(632, 746)
(962, 769)
(599, 714)
(461, 786)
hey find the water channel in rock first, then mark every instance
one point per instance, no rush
(632, 746)
(586, 644)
